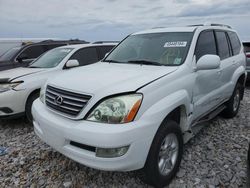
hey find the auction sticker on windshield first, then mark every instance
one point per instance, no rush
(175, 44)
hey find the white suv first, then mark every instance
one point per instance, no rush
(136, 108)
(21, 86)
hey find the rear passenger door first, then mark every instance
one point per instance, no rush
(206, 88)
(86, 56)
(29, 54)
(227, 63)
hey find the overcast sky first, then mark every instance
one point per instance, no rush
(114, 19)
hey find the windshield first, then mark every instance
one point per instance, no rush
(51, 59)
(7, 56)
(169, 48)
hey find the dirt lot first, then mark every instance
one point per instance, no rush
(216, 157)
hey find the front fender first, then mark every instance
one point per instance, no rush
(163, 107)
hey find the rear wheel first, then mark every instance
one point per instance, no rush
(28, 106)
(165, 155)
(233, 104)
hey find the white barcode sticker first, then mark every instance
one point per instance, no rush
(175, 44)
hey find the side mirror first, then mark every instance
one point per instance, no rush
(72, 63)
(22, 57)
(208, 62)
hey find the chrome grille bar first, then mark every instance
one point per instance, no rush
(65, 102)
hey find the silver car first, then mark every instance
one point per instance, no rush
(247, 51)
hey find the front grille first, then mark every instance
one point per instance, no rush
(66, 102)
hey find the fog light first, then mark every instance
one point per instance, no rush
(111, 152)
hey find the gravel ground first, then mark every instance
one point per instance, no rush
(216, 157)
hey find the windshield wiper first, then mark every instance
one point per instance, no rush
(33, 67)
(112, 61)
(145, 62)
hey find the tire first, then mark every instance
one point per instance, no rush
(28, 106)
(233, 104)
(151, 173)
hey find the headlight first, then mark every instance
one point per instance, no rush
(120, 109)
(8, 86)
(42, 93)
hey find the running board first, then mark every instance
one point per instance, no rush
(198, 125)
(210, 116)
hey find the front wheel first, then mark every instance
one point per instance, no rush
(165, 155)
(28, 106)
(233, 104)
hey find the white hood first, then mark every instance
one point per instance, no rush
(18, 72)
(109, 78)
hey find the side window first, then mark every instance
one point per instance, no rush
(205, 44)
(223, 47)
(235, 42)
(85, 56)
(104, 50)
(32, 52)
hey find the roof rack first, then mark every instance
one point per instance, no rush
(70, 41)
(211, 24)
(102, 42)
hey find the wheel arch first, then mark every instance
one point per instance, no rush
(242, 81)
(31, 94)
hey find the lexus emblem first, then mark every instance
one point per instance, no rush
(58, 100)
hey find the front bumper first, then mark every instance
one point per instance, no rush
(58, 132)
(12, 103)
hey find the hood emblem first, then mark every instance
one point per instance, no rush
(58, 100)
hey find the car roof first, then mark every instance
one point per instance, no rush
(78, 46)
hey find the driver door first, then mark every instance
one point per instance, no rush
(29, 54)
(207, 82)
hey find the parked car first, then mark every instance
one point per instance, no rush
(247, 51)
(20, 87)
(23, 55)
(137, 107)
(9, 43)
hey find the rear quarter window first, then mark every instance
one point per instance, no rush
(235, 42)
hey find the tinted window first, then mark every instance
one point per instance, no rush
(169, 48)
(235, 42)
(32, 52)
(222, 43)
(10, 54)
(104, 50)
(85, 56)
(205, 44)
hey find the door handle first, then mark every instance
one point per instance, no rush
(219, 72)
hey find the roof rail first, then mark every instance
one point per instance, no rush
(222, 25)
(102, 42)
(211, 24)
(77, 41)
